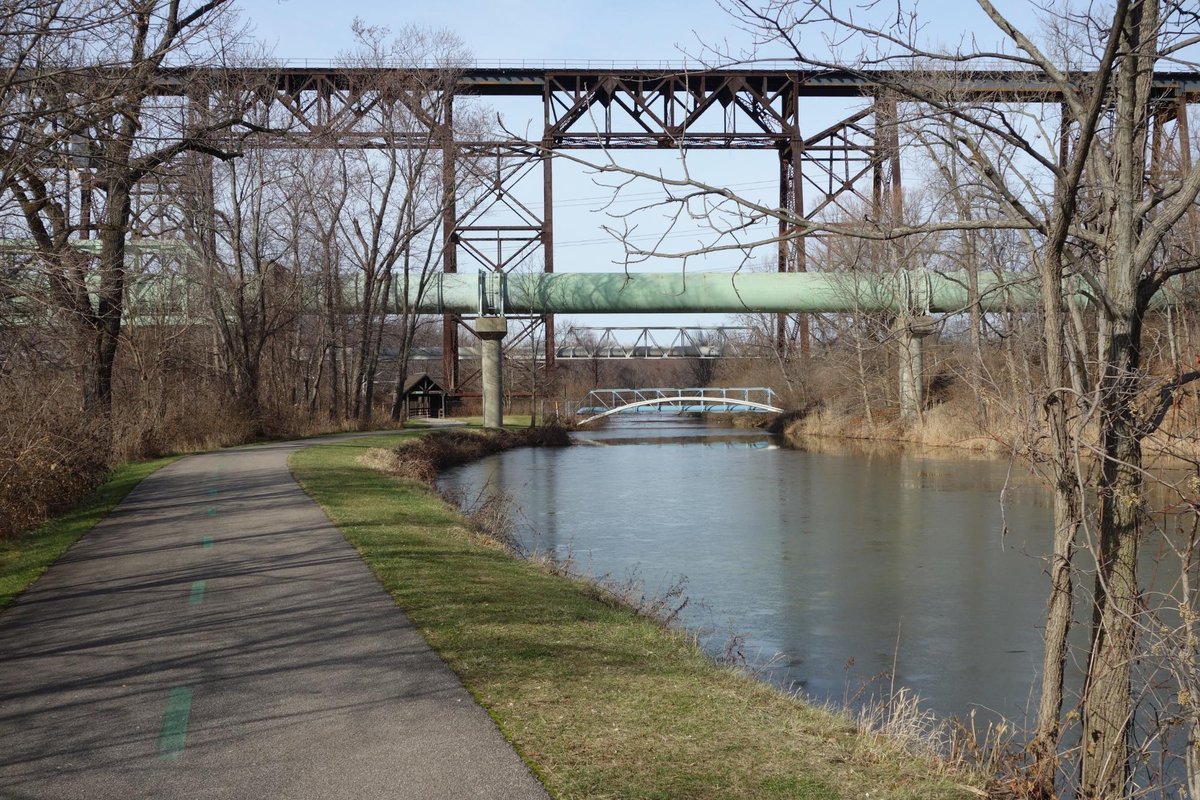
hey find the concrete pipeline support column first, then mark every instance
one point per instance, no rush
(910, 331)
(491, 331)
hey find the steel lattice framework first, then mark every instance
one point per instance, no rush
(655, 342)
(630, 109)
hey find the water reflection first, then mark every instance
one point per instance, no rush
(830, 560)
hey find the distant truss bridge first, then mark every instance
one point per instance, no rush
(583, 343)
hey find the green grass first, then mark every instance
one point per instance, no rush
(26, 556)
(509, 421)
(599, 702)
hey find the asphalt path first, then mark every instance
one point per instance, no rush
(216, 637)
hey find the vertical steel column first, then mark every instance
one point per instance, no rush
(449, 246)
(792, 255)
(886, 181)
(547, 223)
(1185, 141)
(1185, 166)
(1158, 144)
(781, 337)
(1185, 159)
(85, 202)
(885, 177)
(799, 242)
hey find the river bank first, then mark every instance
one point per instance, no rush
(1006, 433)
(598, 700)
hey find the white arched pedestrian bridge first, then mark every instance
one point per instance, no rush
(601, 403)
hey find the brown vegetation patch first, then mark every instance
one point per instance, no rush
(945, 425)
(423, 458)
(52, 453)
(742, 420)
(50, 456)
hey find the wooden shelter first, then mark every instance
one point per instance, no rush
(424, 397)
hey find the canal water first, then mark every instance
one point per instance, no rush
(831, 571)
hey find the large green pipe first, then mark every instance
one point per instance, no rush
(907, 291)
(911, 291)
(671, 292)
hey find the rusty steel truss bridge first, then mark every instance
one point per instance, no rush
(629, 108)
(655, 342)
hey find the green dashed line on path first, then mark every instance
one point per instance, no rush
(173, 735)
(213, 490)
(197, 593)
(207, 543)
(212, 511)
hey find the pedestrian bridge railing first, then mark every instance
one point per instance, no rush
(600, 403)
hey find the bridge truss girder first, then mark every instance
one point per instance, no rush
(655, 342)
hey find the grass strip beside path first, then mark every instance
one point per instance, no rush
(599, 702)
(27, 555)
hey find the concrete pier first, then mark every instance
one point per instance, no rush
(491, 331)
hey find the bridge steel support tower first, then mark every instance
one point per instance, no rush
(638, 109)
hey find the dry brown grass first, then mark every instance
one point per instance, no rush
(423, 458)
(52, 453)
(950, 424)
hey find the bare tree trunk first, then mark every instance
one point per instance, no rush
(334, 383)
(975, 337)
(372, 364)
(101, 357)
(397, 410)
(1067, 517)
(1108, 696)
(408, 326)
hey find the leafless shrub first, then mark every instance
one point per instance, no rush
(50, 455)
(154, 422)
(423, 458)
(733, 651)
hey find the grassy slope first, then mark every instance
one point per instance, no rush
(24, 557)
(599, 702)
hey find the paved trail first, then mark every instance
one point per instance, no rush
(216, 637)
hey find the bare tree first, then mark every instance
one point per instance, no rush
(108, 119)
(398, 194)
(252, 270)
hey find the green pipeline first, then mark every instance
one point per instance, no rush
(724, 293)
